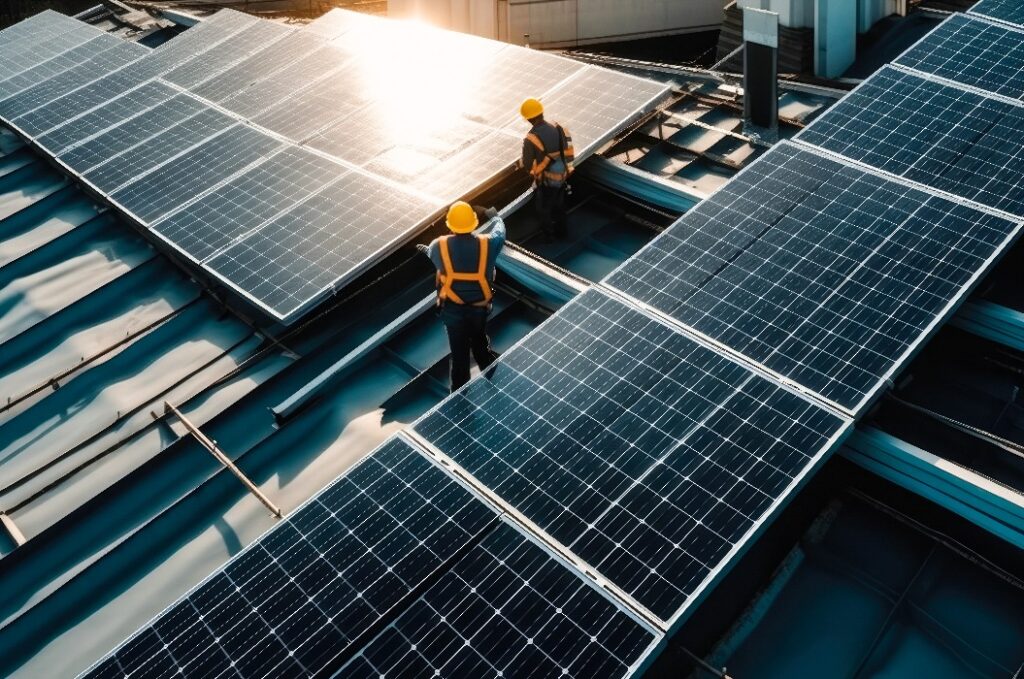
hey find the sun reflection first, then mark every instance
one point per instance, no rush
(421, 79)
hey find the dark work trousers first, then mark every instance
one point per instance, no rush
(467, 332)
(549, 202)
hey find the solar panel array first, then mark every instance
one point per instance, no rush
(395, 566)
(1004, 10)
(974, 52)
(824, 273)
(957, 141)
(644, 434)
(650, 456)
(413, 116)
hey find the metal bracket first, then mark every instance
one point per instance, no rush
(12, 529)
(211, 446)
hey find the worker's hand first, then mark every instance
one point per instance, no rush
(485, 212)
(423, 248)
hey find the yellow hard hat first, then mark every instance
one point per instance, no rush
(531, 108)
(461, 217)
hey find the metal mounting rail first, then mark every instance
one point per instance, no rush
(211, 446)
(12, 529)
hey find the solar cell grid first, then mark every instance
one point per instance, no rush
(829, 283)
(259, 66)
(341, 85)
(152, 145)
(298, 597)
(302, 111)
(314, 108)
(648, 455)
(32, 41)
(247, 201)
(76, 102)
(252, 39)
(974, 52)
(103, 62)
(186, 176)
(109, 115)
(77, 46)
(470, 168)
(506, 609)
(959, 142)
(589, 119)
(1005, 10)
(519, 71)
(103, 147)
(295, 257)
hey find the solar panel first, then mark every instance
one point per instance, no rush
(252, 39)
(470, 168)
(650, 456)
(299, 256)
(292, 112)
(247, 201)
(259, 66)
(207, 35)
(974, 52)
(38, 38)
(590, 119)
(302, 595)
(103, 61)
(77, 46)
(152, 151)
(112, 113)
(310, 110)
(172, 184)
(820, 271)
(106, 147)
(956, 141)
(342, 86)
(506, 609)
(1004, 10)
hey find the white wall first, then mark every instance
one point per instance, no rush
(565, 23)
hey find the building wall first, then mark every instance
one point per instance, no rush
(565, 23)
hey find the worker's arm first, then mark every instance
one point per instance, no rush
(497, 233)
(529, 151)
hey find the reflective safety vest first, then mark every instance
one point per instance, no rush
(555, 166)
(445, 279)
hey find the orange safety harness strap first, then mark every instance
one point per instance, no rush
(445, 280)
(565, 152)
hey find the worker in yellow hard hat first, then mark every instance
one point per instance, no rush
(465, 285)
(548, 156)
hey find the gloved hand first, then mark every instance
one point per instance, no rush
(423, 248)
(485, 212)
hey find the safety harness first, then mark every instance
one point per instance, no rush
(565, 153)
(446, 293)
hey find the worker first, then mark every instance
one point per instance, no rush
(548, 156)
(465, 285)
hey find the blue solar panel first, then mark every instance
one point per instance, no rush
(247, 201)
(130, 150)
(974, 52)
(395, 566)
(184, 177)
(956, 141)
(1004, 10)
(298, 598)
(647, 454)
(97, 110)
(116, 54)
(508, 609)
(822, 272)
(110, 114)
